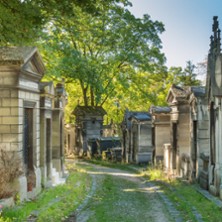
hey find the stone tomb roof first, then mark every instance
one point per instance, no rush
(28, 58)
(179, 94)
(141, 116)
(160, 109)
(16, 53)
(198, 91)
(89, 110)
(137, 115)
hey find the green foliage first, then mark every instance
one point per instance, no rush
(154, 174)
(103, 55)
(122, 166)
(186, 77)
(20, 21)
(187, 198)
(54, 203)
(5, 220)
(189, 76)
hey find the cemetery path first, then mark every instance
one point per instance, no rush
(123, 196)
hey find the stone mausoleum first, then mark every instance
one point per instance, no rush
(214, 97)
(31, 118)
(189, 132)
(89, 126)
(137, 137)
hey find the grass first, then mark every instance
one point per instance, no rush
(54, 203)
(185, 196)
(57, 203)
(116, 165)
(129, 205)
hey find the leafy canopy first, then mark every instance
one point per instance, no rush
(108, 56)
(22, 21)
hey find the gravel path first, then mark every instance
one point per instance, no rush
(160, 207)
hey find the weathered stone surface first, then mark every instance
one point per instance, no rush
(11, 120)
(5, 93)
(9, 102)
(7, 202)
(5, 129)
(203, 125)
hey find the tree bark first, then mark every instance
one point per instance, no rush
(84, 92)
(92, 96)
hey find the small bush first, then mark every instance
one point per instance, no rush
(154, 173)
(10, 170)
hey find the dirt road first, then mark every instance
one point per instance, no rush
(122, 196)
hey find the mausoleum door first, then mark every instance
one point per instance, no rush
(212, 133)
(194, 151)
(61, 143)
(48, 146)
(174, 151)
(28, 140)
(134, 147)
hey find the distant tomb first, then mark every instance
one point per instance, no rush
(89, 125)
(137, 137)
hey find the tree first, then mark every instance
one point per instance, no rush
(174, 74)
(202, 70)
(104, 53)
(21, 21)
(188, 76)
(183, 77)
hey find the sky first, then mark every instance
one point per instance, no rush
(188, 26)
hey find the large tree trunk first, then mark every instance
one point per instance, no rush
(92, 96)
(85, 99)
(84, 92)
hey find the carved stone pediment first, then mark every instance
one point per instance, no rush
(31, 66)
(26, 59)
(177, 94)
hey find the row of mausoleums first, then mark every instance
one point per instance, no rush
(31, 119)
(185, 137)
(169, 136)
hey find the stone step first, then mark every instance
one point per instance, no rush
(56, 178)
